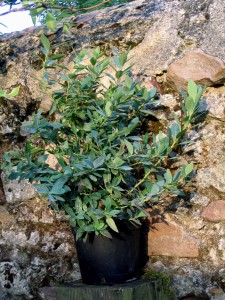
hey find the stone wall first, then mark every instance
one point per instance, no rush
(186, 240)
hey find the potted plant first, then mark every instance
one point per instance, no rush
(110, 170)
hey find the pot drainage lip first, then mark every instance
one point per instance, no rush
(132, 279)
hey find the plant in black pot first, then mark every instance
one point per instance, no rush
(110, 169)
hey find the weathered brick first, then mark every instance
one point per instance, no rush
(166, 238)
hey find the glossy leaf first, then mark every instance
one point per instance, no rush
(50, 21)
(112, 224)
(45, 42)
(98, 162)
(189, 168)
(192, 89)
(129, 146)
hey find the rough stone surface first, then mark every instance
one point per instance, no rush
(212, 177)
(11, 116)
(215, 102)
(37, 244)
(158, 33)
(12, 277)
(169, 239)
(198, 66)
(215, 211)
(29, 255)
(186, 280)
(5, 217)
(17, 191)
(199, 199)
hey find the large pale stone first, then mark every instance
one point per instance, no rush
(18, 238)
(212, 177)
(17, 191)
(215, 211)
(169, 239)
(188, 281)
(198, 66)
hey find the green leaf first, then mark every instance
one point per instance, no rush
(57, 188)
(148, 185)
(86, 182)
(99, 226)
(53, 108)
(192, 89)
(152, 93)
(116, 180)
(33, 14)
(50, 21)
(154, 190)
(41, 188)
(106, 234)
(13, 176)
(66, 28)
(93, 61)
(189, 168)
(56, 56)
(168, 176)
(189, 105)
(134, 138)
(134, 123)
(112, 224)
(125, 168)
(118, 161)
(176, 176)
(28, 148)
(2, 93)
(14, 92)
(98, 162)
(108, 203)
(45, 42)
(54, 205)
(119, 74)
(114, 212)
(147, 112)
(199, 93)
(183, 93)
(68, 171)
(129, 146)
(173, 131)
(69, 211)
(92, 177)
(107, 178)
(177, 120)
(128, 81)
(122, 59)
(108, 108)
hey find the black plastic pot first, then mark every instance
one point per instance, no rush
(110, 261)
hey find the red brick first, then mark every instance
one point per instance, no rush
(166, 238)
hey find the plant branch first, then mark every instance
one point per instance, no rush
(72, 9)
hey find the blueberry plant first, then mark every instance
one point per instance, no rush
(108, 168)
